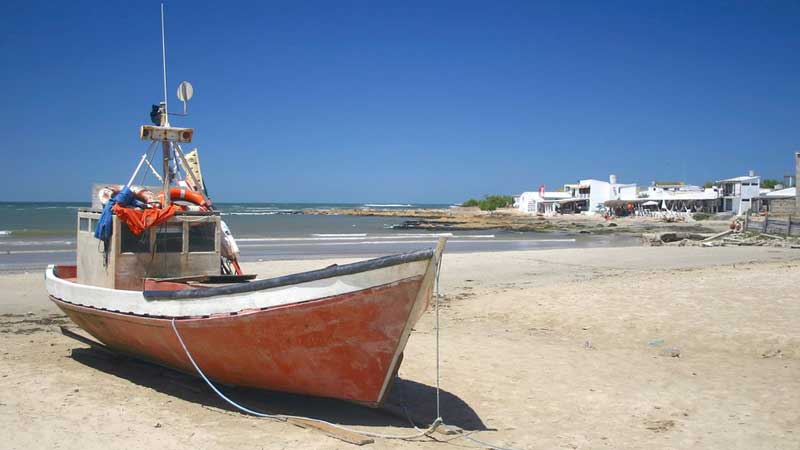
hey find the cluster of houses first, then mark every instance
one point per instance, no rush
(737, 196)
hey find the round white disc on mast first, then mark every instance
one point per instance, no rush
(185, 91)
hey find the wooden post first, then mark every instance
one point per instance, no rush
(766, 220)
(747, 221)
(789, 226)
(167, 154)
(796, 181)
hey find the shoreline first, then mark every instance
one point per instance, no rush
(371, 249)
(509, 219)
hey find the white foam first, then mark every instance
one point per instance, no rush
(18, 252)
(13, 243)
(363, 236)
(416, 241)
(260, 213)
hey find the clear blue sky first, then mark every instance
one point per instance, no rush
(401, 102)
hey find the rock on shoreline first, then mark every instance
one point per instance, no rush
(472, 219)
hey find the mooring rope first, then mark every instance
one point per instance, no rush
(436, 307)
(285, 417)
(460, 434)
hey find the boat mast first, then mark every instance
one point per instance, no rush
(163, 132)
(165, 145)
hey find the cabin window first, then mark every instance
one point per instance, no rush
(169, 239)
(83, 224)
(202, 237)
(130, 243)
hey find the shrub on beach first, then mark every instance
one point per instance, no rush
(701, 216)
(491, 202)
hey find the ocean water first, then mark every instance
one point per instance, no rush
(33, 235)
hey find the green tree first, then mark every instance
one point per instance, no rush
(708, 184)
(769, 184)
(492, 202)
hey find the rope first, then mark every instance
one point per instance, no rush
(285, 417)
(420, 433)
(150, 152)
(436, 307)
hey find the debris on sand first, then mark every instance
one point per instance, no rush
(672, 352)
(754, 239)
(723, 239)
(671, 237)
(659, 426)
(774, 353)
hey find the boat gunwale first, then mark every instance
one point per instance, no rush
(288, 280)
(205, 317)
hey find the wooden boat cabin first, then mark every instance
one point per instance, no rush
(187, 245)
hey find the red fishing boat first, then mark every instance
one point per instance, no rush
(157, 277)
(336, 332)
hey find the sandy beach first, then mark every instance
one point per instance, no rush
(635, 348)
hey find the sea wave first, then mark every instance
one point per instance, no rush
(36, 233)
(272, 213)
(13, 243)
(359, 238)
(261, 213)
(267, 209)
(410, 241)
(28, 252)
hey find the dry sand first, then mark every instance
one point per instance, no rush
(543, 350)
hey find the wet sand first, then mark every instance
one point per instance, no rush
(636, 348)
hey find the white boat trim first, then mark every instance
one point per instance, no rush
(134, 302)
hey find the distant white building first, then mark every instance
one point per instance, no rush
(541, 202)
(682, 197)
(778, 201)
(738, 194)
(591, 195)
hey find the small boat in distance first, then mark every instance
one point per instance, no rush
(157, 268)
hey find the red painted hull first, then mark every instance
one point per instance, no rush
(340, 347)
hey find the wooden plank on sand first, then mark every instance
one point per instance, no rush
(718, 235)
(334, 432)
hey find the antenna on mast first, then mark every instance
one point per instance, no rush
(164, 118)
(162, 131)
(166, 146)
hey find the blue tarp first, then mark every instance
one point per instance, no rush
(105, 225)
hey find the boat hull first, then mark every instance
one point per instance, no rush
(344, 346)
